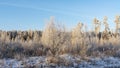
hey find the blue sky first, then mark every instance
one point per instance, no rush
(32, 14)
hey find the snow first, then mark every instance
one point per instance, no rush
(109, 62)
(92, 62)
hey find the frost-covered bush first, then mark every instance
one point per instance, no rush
(78, 40)
(54, 36)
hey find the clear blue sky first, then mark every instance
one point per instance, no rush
(32, 14)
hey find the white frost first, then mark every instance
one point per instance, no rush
(110, 62)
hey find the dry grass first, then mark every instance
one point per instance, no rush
(54, 40)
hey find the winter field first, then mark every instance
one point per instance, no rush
(57, 47)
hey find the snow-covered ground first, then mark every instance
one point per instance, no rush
(41, 62)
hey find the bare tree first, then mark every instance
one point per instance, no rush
(117, 21)
(106, 24)
(97, 25)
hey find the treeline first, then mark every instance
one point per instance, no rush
(20, 35)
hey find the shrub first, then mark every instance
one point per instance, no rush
(78, 40)
(54, 36)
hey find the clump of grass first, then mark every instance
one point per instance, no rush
(21, 50)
